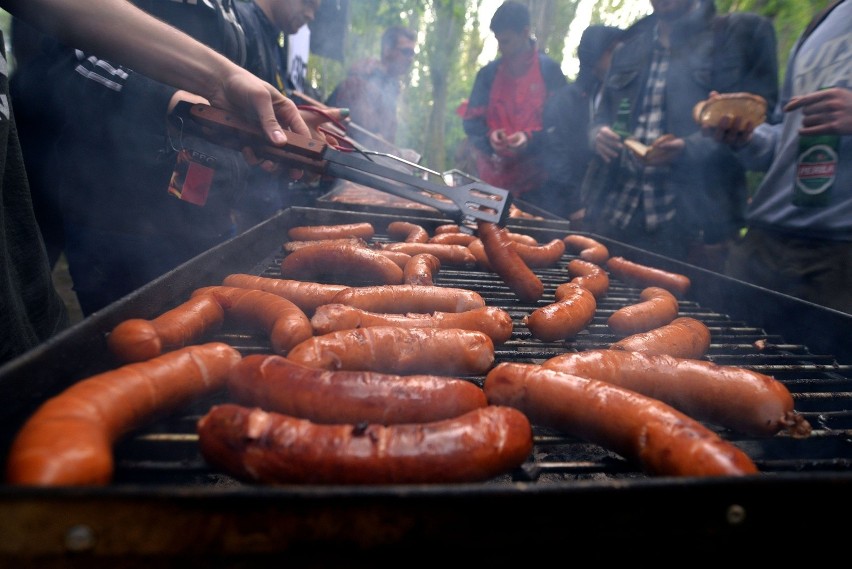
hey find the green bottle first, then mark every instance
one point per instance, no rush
(622, 119)
(816, 169)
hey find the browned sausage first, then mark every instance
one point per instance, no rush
(272, 448)
(403, 351)
(408, 232)
(305, 295)
(643, 275)
(340, 264)
(277, 384)
(732, 397)
(684, 337)
(656, 307)
(421, 269)
(589, 276)
(404, 298)
(401, 259)
(564, 318)
(137, 340)
(590, 249)
(522, 238)
(506, 262)
(495, 322)
(537, 256)
(68, 440)
(291, 246)
(450, 255)
(662, 440)
(452, 238)
(478, 249)
(447, 228)
(286, 323)
(318, 232)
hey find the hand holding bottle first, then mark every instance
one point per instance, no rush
(826, 111)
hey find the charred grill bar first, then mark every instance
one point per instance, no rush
(166, 503)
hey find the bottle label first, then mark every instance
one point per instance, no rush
(815, 169)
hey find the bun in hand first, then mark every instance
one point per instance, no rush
(749, 108)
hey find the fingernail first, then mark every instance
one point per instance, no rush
(344, 113)
(278, 137)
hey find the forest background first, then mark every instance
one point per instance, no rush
(453, 44)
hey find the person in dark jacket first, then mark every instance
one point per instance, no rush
(503, 119)
(687, 200)
(566, 118)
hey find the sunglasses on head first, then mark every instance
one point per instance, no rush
(407, 51)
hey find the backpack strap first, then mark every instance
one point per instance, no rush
(817, 20)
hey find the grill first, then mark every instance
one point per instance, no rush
(165, 503)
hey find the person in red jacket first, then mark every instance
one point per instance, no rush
(503, 119)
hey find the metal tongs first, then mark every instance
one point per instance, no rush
(467, 204)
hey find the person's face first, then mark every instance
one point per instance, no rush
(511, 42)
(671, 9)
(398, 60)
(290, 15)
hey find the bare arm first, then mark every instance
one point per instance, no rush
(120, 31)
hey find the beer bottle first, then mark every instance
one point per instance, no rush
(816, 169)
(622, 119)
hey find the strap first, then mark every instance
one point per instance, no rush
(817, 20)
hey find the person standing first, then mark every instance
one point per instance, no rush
(799, 238)
(686, 200)
(503, 119)
(372, 88)
(566, 118)
(31, 311)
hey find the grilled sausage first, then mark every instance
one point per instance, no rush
(523, 238)
(447, 228)
(740, 399)
(450, 255)
(285, 322)
(403, 351)
(662, 440)
(506, 262)
(320, 232)
(452, 238)
(421, 269)
(656, 307)
(305, 295)
(410, 298)
(478, 249)
(589, 249)
(643, 275)
(495, 322)
(291, 246)
(684, 337)
(589, 276)
(565, 318)
(68, 440)
(401, 259)
(537, 256)
(272, 448)
(408, 232)
(137, 340)
(277, 384)
(340, 264)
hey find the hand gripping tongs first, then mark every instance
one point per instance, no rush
(466, 204)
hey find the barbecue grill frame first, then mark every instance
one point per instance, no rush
(358, 526)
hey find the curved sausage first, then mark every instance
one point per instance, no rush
(732, 397)
(285, 322)
(538, 256)
(662, 440)
(589, 249)
(495, 322)
(305, 295)
(272, 448)
(450, 255)
(656, 308)
(408, 232)
(319, 232)
(277, 384)
(341, 264)
(452, 238)
(402, 351)
(684, 337)
(478, 249)
(137, 340)
(401, 259)
(565, 318)
(589, 276)
(506, 262)
(404, 298)
(523, 238)
(643, 275)
(421, 269)
(68, 440)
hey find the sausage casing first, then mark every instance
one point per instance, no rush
(410, 298)
(565, 318)
(684, 337)
(656, 307)
(643, 275)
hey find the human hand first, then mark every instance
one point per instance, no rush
(664, 150)
(827, 111)
(498, 142)
(731, 130)
(608, 144)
